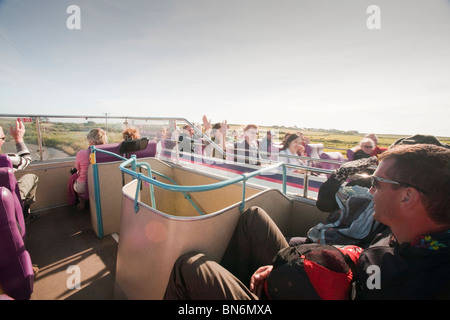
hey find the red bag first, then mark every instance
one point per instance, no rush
(313, 271)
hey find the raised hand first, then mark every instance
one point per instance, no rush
(18, 132)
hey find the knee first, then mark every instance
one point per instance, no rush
(254, 214)
(189, 261)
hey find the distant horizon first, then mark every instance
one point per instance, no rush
(85, 118)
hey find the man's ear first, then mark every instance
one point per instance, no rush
(410, 197)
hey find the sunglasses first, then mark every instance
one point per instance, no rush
(374, 181)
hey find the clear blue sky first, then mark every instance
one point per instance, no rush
(308, 63)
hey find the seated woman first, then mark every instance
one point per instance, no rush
(291, 146)
(377, 150)
(130, 133)
(94, 137)
(366, 146)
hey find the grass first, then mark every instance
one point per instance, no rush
(71, 137)
(334, 139)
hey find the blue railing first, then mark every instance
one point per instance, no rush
(132, 162)
(199, 188)
(243, 177)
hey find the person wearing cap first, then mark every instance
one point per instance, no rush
(410, 191)
(20, 161)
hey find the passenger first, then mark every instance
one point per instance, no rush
(248, 148)
(326, 198)
(366, 146)
(305, 140)
(78, 180)
(377, 149)
(218, 134)
(410, 191)
(186, 141)
(290, 148)
(20, 161)
(268, 149)
(130, 133)
(286, 136)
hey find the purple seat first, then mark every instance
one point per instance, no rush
(16, 269)
(314, 151)
(149, 151)
(103, 157)
(8, 180)
(350, 153)
(5, 161)
(337, 156)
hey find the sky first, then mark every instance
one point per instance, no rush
(332, 64)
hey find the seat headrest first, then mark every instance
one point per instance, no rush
(314, 150)
(133, 145)
(8, 179)
(5, 161)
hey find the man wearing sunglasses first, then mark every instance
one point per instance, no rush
(20, 161)
(410, 189)
(410, 193)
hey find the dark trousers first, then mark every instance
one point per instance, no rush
(255, 242)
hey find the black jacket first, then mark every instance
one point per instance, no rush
(408, 271)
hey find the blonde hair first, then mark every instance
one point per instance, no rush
(97, 136)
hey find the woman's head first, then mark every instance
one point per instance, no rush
(367, 145)
(293, 141)
(97, 136)
(130, 134)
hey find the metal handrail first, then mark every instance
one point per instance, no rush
(126, 118)
(200, 188)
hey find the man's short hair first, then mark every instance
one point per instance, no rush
(426, 167)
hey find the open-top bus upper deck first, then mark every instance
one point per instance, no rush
(91, 254)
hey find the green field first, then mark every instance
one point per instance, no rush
(335, 138)
(71, 137)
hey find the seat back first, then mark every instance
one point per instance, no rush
(351, 153)
(337, 156)
(5, 161)
(149, 151)
(8, 180)
(16, 269)
(314, 150)
(101, 157)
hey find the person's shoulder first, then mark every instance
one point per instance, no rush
(83, 153)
